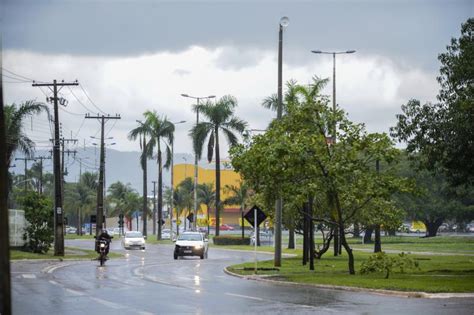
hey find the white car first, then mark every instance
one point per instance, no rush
(133, 239)
(191, 244)
(166, 234)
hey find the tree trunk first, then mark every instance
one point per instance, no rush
(311, 234)
(336, 241)
(378, 242)
(368, 235)
(208, 218)
(218, 182)
(432, 227)
(291, 238)
(305, 235)
(160, 193)
(242, 219)
(144, 205)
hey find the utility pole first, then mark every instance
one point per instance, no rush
(154, 207)
(41, 158)
(63, 151)
(5, 281)
(100, 186)
(26, 162)
(58, 200)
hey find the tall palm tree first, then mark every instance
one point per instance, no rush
(161, 132)
(183, 199)
(220, 117)
(240, 196)
(207, 196)
(141, 132)
(125, 199)
(16, 137)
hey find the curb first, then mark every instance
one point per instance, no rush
(411, 294)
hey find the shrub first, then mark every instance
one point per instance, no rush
(231, 240)
(39, 230)
(381, 262)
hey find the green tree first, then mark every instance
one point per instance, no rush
(440, 135)
(183, 200)
(39, 231)
(124, 200)
(207, 196)
(16, 138)
(295, 161)
(220, 117)
(161, 132)
(239, 196)
(143, 130)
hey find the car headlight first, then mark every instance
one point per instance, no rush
(198, 246)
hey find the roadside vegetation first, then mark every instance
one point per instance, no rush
(70, 253)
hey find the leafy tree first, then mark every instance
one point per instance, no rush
(440, 135)
(142, 131)
(124, 200)
(294, 160)
(39, 231)
(183, 200)
(16, 138)
(207, 196)
(161, 133)
(240, 196)
(220, 117)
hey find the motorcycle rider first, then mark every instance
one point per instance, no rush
(105, 237)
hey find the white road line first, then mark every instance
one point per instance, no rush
(74, 292)
(245, 296)
(53, 282)
(107, 303)
(28, 276)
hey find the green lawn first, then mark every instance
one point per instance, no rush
(71, 253)
(80, 237)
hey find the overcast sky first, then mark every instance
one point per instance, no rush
(131, 56)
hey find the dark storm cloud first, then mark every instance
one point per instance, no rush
(413, 30)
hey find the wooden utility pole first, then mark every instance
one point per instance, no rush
(100, 186)
(58, 200)
(5, 282)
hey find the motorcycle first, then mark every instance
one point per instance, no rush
(103, 244)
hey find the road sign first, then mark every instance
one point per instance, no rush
(249, 216)
(190, 217)
(94, 218)
(161, 222)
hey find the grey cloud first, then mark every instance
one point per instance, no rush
(181, 72)
(415, 30)
(231, 58)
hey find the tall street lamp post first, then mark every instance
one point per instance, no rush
(172, 181)
(196, 155)
(337, 243)
(284, 21)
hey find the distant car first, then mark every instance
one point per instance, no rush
(166, 234)
(133, 239)
(191, 244)
(71, 230)
(265, 237)
(226, 227)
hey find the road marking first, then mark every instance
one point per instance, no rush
(53, 282)
(245, 296)
(28, 276)
(107, 303)
(74, 292)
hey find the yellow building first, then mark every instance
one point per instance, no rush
(230, 214)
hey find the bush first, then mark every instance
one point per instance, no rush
(231, 240)
(381, 262)
(39, 230)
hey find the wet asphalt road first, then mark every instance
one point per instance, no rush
(152, 282)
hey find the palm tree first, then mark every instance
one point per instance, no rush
(207, 196)
(16, 137)
(240, 195)
(183, 199)
(142, 131)
(160, 129)
(125, 199)
(220, 116)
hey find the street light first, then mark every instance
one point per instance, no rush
(198, 98)
(172, 181)
(284, 22)
(333, 53)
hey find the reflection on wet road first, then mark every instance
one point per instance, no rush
(151, 282)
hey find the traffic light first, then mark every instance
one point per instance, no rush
(120, 221)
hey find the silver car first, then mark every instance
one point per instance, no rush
(133, 239)
(191, 244)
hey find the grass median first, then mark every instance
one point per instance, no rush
(436, 273)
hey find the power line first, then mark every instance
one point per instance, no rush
(82, 88)
(79, 101)
(18, 75)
